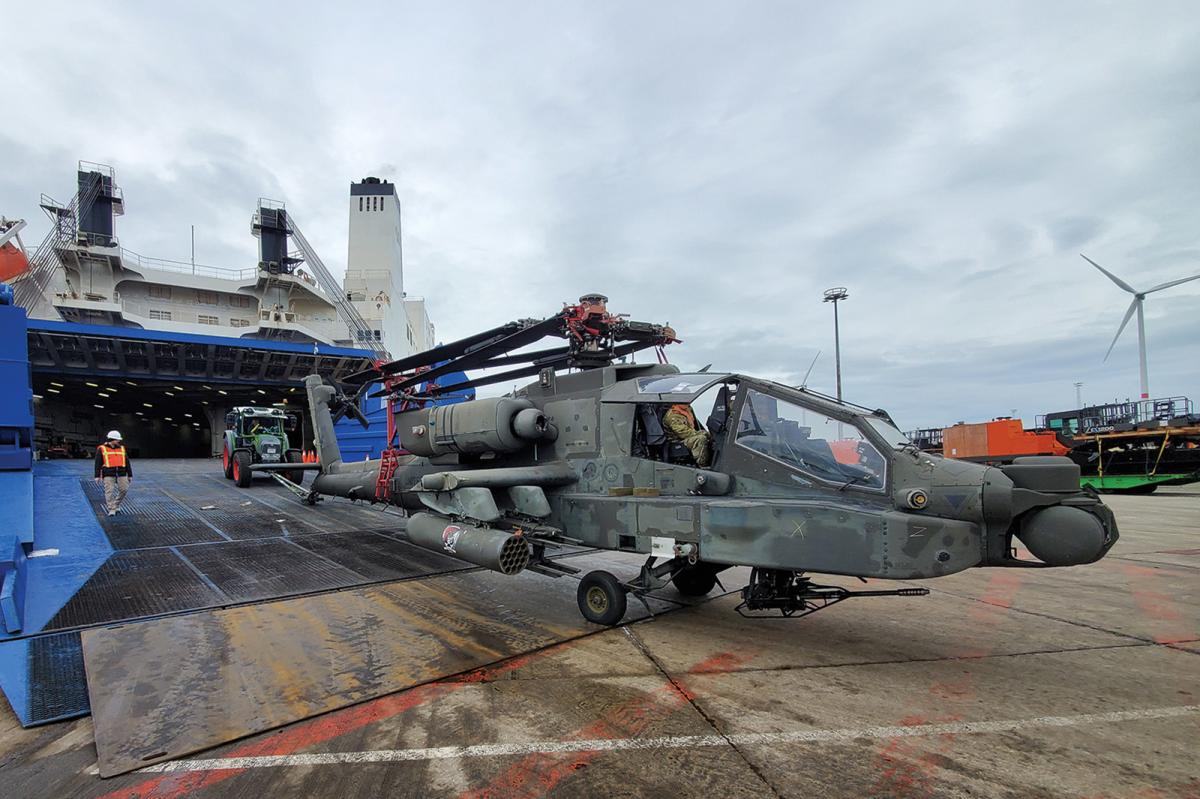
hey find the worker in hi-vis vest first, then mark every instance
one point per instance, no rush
(680, 423)
(114, 470)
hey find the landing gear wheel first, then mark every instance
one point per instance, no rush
(601, 598)
(241, 468)
(695, 580)
(226, 462)
(293, 456)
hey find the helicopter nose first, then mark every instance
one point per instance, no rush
(1063, 536)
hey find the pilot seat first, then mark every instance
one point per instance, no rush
(651, 441)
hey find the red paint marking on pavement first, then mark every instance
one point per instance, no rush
(1159, 607)
(535, 775)
(908, 767)
(323, 728)
(989, 611)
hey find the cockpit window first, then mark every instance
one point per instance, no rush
(674, 384)
(894, 438)
(807, 440)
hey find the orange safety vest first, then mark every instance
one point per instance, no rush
(114, 457)
(686, 410)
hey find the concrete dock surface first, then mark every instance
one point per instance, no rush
(1081, 682)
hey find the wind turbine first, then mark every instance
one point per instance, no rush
(1136, 307)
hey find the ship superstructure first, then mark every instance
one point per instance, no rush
(163, 348)
(87, 276)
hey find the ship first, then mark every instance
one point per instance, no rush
(162, 349)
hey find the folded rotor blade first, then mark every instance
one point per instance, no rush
(513, 374)
(1111, 276)
(479, 357)
(1170, 283)
(443, 352)
(1128, 315)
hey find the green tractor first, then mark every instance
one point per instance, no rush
(258, 436)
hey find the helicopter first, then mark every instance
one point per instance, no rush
(793, 481)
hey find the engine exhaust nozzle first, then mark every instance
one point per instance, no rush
(497, 550)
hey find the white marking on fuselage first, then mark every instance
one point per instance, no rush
(668, 742)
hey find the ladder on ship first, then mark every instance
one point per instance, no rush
(64, 230)
(359, 329)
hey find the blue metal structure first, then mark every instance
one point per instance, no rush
(16, 459)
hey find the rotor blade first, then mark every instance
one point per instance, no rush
(634, 346)
(478, 358)
(442, 352)
(1111, 276)
(1170, 283)
(525, 371)
(1128, 315)
(525, 357)
(344, 404)
(537, 361)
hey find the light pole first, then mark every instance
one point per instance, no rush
(834, 295)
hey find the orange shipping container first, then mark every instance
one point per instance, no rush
(1001, 439)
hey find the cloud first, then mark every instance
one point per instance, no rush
(711, 165)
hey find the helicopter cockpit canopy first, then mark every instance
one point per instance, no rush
(828, 442)
(669, 389)
(827, 449)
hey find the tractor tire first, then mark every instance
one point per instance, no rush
(226, 462)
(695, 580)
(241, 468)
(601, 598)
(294, 456)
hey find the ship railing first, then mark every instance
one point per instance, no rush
(136, 261)
(104, 169)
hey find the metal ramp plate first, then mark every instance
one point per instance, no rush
(165, 688)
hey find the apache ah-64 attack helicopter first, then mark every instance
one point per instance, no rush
(797, 482)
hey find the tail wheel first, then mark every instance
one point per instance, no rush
(294, 456)
(241, 468)
(601, 598)
(226, 462)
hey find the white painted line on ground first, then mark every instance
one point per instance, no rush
(672, 742)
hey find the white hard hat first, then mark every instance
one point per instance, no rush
(114, 434)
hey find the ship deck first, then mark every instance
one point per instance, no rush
(1080, 682)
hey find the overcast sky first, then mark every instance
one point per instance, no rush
(712, 165)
